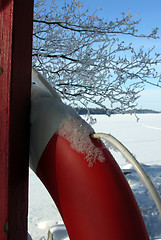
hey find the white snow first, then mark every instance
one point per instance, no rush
(143, 139)
(79, 139)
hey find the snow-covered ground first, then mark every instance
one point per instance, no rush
(143, 139)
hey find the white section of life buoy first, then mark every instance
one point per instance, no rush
(47, 114)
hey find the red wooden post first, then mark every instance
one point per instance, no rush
(15, 77)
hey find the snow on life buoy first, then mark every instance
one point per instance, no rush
(88, 187)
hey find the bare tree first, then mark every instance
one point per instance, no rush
(86, 60)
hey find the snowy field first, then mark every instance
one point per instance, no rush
(143, 139)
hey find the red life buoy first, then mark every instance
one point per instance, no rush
(88, 187)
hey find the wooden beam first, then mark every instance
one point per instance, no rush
(16, 19)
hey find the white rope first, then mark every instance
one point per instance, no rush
(142, 174)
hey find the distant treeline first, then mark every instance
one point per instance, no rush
(82, 111)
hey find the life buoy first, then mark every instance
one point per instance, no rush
(88, 187)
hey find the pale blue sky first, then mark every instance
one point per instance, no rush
(148, 11)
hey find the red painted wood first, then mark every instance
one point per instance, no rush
(15, 71)
(5, 70)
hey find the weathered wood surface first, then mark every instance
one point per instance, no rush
(16, 18)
